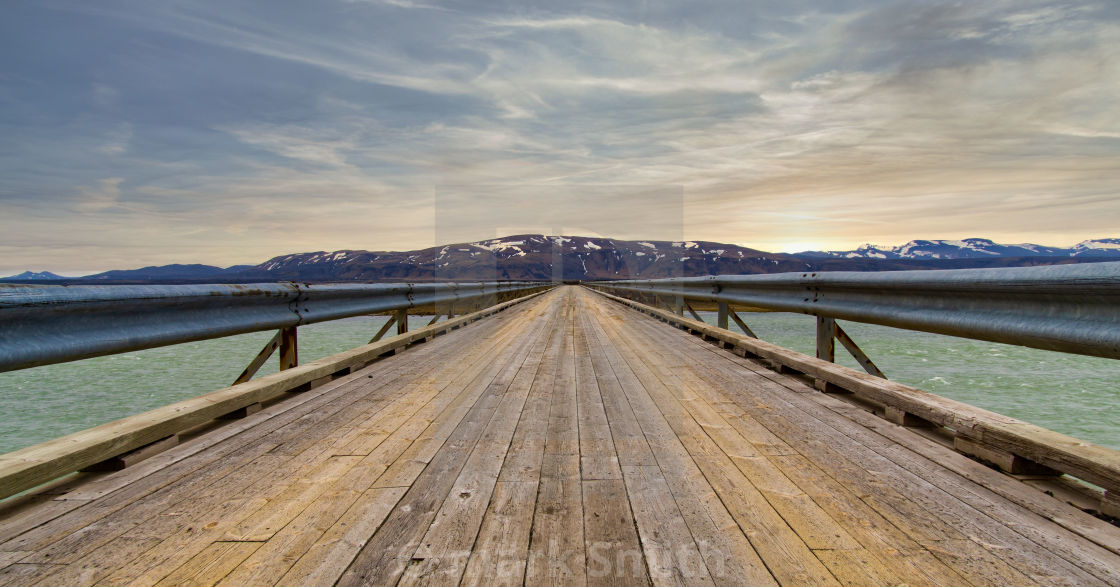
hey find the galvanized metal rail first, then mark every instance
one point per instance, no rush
(1068, 308)
(41, 325)
(123, 442)
(1012, 445)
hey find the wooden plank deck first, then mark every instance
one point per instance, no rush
(566, 440)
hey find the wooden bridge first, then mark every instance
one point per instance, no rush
(567, 439)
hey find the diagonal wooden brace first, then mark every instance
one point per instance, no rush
(259, 361)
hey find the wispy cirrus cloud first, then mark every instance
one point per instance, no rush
(775, 120)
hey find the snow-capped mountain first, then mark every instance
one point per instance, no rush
(540, 257)
(971, 248)
(33, 276)
(533, 256)
(1101, 247)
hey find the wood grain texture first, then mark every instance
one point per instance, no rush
(568, 440)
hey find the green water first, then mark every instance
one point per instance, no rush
(1076, 395)
(1072, 394)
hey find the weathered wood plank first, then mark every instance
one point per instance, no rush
(668, 547)
(293, 417)
(276, 478)
(557, 552)
(445, 549)
(389, 552)
(929, 495)
(598, 459)
(727, 553)
(785, 553)
(211, 565)
(328, 557)
(614, 555)
(500, 554)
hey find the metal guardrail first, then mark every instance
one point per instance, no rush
(40, 325)
(1012, 445)
(123, 442)
(1069, 308)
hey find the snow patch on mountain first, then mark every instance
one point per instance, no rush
(34, 276)
(971, 248)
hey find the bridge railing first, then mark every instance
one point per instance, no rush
(52, 324)
(40, 325)
(1069, 308)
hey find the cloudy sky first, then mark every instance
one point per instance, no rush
(230, 131)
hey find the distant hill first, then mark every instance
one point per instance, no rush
(34, 276)
(540, 257)
(972, 248)
(169, 272)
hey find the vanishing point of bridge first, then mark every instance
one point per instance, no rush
(565, 439)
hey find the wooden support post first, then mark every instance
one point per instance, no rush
(693, 312)
(826, 348)
(904, 418)
(289, 348)
(826, 339)
(435, 319)
(1009, 462)
(721, 319)
(402, 321)
(259, 361)
(134, 456)
(242, 412)
(678, 305)
(1110, 504)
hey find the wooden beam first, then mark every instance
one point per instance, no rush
(857, 353)
(259, 361)
(739, 322)
(384, 328)
(1009, 462)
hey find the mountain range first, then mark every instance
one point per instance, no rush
(972, 248)
(540, 257)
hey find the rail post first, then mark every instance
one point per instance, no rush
(826, 347)
(289, 348)
(721, 319)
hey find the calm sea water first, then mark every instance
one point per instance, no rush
(1076, 395)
